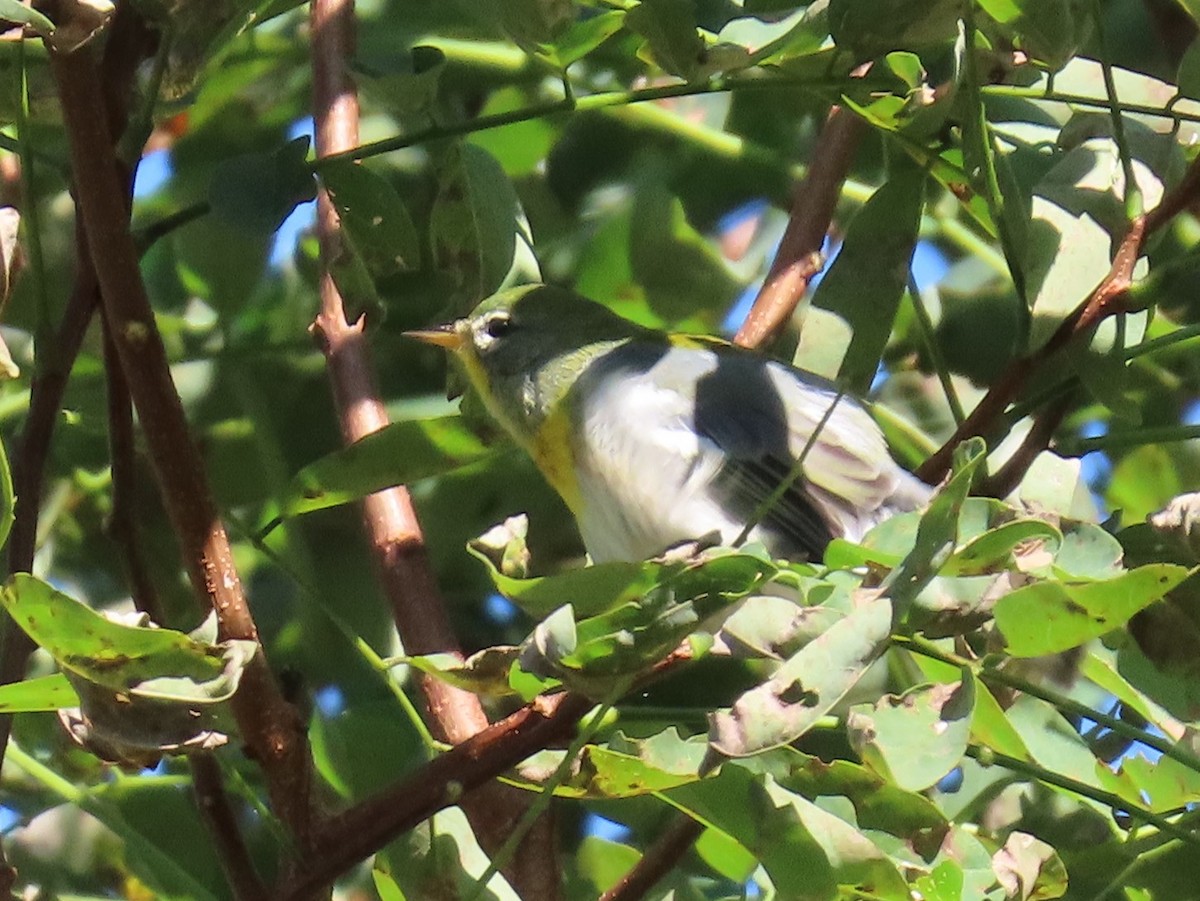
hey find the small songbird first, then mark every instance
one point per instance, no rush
(655, 440)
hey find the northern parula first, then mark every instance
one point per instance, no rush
(654, 440)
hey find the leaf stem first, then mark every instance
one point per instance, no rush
(43, 337)
(1077, 447)
(1108, 799)
(588, 103)
(1048, 94)
(978, 142)
(925, 326)
(1133, 195)
(1059, 701)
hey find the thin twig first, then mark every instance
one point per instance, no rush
(1005, 479)
(1106, 300)
(148, 235)
(799, 256)
(122, 521)
(217, 813)
(1037, 773)
(270, 726)
(659, 859)
(347, 838)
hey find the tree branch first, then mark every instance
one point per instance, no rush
(659, 859)
(799, 256)
(1108, 299)
(217, 813)
(127, 44)
(347, 838)
(396, 539)
(271, 728)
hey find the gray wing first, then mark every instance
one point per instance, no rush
(740, 409)
(763, 418)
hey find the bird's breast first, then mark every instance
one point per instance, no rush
(553, 452)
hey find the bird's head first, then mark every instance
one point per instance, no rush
(522, 349)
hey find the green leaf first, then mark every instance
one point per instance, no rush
(18, 12)
(997, 549)
(726, 855)
(485, 672)
(397, 454)
(8, 499)
(1048, 617)
(522, 147)
(1164, 784)
(1143, 481)
(879, 804)
(943, 883)
(386, 886)
(584, 36)
(600, 653)
(773, 627)
(669, 27)
(31, 695)
(591, 590)
(1188, 76)
(1029, 868)
(602, 863)
(533, 22)
(865, 283)
(477, 228)
(917, 738)
(681, 271)
(375, 222)
(443, 859)
(937, 534)
(151, 663)
(1049, 31)
(176, 862)
(872, 27)
(405, 83)
(629, 768)
(257, 191)
(807, 851)
(805, 687)
(345, 745)
(989, 726)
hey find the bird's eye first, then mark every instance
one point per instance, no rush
(498, 326)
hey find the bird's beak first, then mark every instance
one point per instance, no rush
(449, 335)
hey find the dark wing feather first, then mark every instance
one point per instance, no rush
(738, 408)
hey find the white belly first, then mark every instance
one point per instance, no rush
(643, 474)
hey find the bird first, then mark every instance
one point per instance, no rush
(657, 440)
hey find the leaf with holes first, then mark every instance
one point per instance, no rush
(805, 687)
(917, 738)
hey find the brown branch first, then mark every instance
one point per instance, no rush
(799, 256)
(397, 542)
(29, 469)
(1108, 299)
(213, 803)
(396, 539)
(128, 43)
(344, 840)
(271, 728)
(658, 860)
(1005, 479)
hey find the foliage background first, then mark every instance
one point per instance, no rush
(645, 154)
